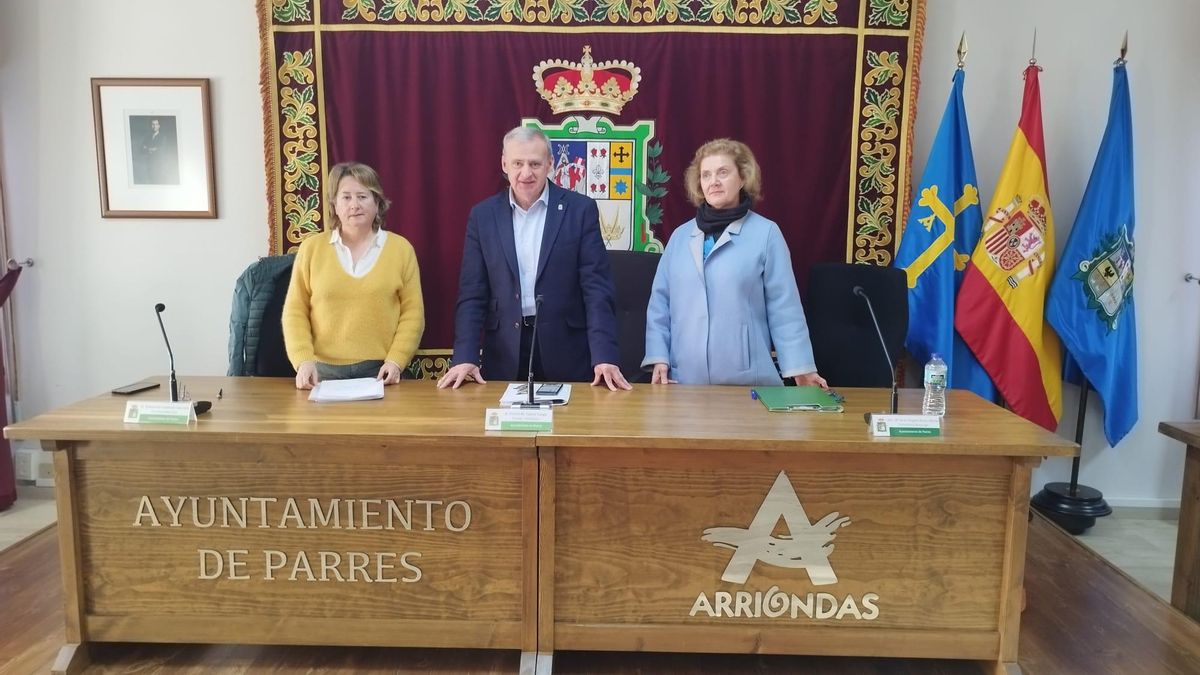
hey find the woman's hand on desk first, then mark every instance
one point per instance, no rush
(463, 372)
(660, 374)
(811, 380)
(389, 372)
(306, 375)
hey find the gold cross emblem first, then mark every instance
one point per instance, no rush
(939, 211)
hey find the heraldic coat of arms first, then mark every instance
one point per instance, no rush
(613, 164)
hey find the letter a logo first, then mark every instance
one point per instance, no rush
(806, 545)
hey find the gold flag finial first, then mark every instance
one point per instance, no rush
(1124, 50)
(962, 50)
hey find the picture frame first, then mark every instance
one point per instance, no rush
(154, 147)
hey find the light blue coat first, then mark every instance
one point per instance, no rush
(714, 321)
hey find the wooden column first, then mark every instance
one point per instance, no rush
(1185, 588)
(73, 657)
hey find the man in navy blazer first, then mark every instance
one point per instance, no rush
(534, 248)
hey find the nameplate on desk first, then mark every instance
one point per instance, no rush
(518, 419)
(905, 425)
(159, 412)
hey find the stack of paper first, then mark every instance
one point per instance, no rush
(358, 389)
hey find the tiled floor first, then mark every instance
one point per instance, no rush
(1140, 542)
(33, 510)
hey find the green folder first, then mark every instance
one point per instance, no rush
(793, 399)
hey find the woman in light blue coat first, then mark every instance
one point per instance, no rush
(724, 292)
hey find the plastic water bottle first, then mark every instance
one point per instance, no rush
(935, 387)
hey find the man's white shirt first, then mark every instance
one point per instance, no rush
(528, 227)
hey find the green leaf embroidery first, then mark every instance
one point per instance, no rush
(653, 214)
(887, 12)
(292, 10)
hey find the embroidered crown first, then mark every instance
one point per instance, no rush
(599, 87)
(1037, 213)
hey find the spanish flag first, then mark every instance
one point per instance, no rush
(999, 311)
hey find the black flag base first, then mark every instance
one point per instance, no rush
(1073, 510)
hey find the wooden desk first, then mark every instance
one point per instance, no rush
(644, 497)
(1185, 587)
(612, 533)
(409, 525)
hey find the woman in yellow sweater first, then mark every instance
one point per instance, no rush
(354, 306)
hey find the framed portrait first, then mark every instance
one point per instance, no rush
(154, 148)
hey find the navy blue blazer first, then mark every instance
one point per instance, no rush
(577, 321)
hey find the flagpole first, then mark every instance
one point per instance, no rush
(1072, 506)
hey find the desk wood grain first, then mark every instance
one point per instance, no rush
(586, 536)
(271, 410)
(393, 522)
(726, 418)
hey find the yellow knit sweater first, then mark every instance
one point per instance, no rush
(331, 317)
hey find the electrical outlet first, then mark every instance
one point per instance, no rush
(25, 461)
(45, 470)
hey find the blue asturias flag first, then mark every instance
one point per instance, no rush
(942, 230)
(1090, 303)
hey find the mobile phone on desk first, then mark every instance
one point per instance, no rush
(135, 388)
(549, 389)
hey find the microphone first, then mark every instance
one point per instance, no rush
(201, 407)
(858, 290)
(158, 310)
(537, 309)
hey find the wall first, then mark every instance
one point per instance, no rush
(84, 314)
(1077, 42)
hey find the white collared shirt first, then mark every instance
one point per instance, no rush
(368, 259)
(528, 227)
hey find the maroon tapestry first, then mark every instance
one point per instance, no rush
(423, 90)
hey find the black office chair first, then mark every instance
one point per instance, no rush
(844, 341)
(633, 275)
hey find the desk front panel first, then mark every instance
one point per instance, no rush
(777, 552)
(384, 544)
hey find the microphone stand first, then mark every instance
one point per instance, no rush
(858, 290)
(537, 310)
(158, 310)
(200, 407)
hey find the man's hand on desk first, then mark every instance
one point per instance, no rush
(611, 376)
(463, 372)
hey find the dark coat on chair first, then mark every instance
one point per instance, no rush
(576, 324)
(255, 334)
